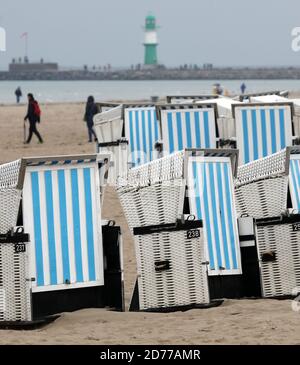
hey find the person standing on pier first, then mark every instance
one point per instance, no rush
(34, 116)
(91, 110)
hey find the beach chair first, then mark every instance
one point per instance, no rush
(109, 130)
(15, 295)
(225, 120)
(267, 193)
(247, 97)
(262, 129)
(129, 132)
(194, 185)
(185, 99)
(188, 126)
(142, 132)
(61, 211)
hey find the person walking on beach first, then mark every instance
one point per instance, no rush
(243, 88)
(34, 116)
(18, 94)
(91, 110)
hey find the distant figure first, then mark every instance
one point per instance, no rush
(243, 88)
(34, 116)
(91, 110)
(18, 94)
(217, 89)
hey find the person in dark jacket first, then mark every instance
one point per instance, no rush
(91, 110)
(33, 118)
(18, 94)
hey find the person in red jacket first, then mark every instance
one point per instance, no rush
(33, 115)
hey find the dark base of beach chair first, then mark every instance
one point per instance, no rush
(111, 295)
(27, 326)
(135, 305)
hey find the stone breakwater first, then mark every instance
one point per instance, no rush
(290, 73)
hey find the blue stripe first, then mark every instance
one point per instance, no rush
(296, 180)
(230, 216)
(150, 121)
(282, 129)
(188, 129)
(144, 126)
(170, 132)
(37, 228)
(76, 225)
(63, 224)
(155, 121)
(179, 130)
(197, 130)
(132, 145)
(137, 138)
(273, 130)
(50, 227)
(207, 223)
(245, 136)
(215, 212)
(254, 135)
(197, 191)
(89, 225)
(223, 213)
(206, 129)
(264, 133)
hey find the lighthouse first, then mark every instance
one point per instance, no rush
(151, 42)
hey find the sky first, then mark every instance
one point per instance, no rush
(97, 32)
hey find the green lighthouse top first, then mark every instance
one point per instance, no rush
(150, 22)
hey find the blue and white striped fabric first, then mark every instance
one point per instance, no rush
(188, 128)
(142, 131)
(262, 130)
(61, 213)
(294, 181)
(211, 199)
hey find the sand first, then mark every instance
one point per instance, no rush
(235, 322)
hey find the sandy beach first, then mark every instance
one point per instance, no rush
(235, 322)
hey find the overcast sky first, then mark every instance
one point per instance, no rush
(223, 32)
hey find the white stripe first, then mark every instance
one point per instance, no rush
(44, 228)
(71, 246)
(84, 251)
(56, 209)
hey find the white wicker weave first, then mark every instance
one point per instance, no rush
(10, 194)
(262, 199)
(282, 276)
(15, 298)
(109, 125)
(185, 283)
(160, 203)
(261, 186)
